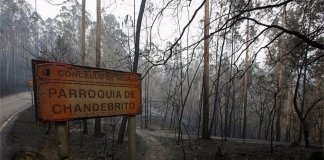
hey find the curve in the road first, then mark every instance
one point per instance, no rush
(11, 106)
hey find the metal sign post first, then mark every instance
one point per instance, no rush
(62, 136)
(132, 137)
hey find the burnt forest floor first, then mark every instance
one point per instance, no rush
(27, 139)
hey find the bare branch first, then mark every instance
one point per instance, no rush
(295, 33)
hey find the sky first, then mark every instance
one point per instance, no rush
(165, 30)
(120, 8)
(48, 10)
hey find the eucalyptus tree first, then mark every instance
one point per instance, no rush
(68, 23)
(83, 52)
(97, 129)
(131, 119)
(295, 60)
(18, 35)
(114, 44)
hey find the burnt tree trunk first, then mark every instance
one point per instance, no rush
(135, 65)
(98, 56)
(205, 132)
(83, 53)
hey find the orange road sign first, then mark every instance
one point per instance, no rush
(65, 92)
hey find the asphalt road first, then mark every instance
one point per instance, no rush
(11, 105)
(193, 136)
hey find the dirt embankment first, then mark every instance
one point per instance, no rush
(28, 139)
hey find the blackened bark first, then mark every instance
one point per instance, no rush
(135, 65)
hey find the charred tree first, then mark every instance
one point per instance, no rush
(83, 53)
(135, 66)
(98, 54)
(205, 132)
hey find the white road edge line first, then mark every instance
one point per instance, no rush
(12, 118)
